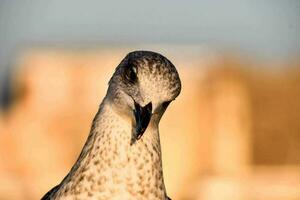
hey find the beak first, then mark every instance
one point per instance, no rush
(142, 118)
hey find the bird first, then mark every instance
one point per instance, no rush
(121, 158)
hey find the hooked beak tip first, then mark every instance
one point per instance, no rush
(142, 117)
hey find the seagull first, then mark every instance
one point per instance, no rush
(121, 159)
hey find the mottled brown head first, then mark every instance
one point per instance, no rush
(144, 83)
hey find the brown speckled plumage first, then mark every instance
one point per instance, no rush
(110, 166)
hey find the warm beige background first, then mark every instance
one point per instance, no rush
(233, 133)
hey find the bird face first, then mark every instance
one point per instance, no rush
(143, 86)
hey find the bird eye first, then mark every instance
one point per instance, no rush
(134, 69)
(131, 74)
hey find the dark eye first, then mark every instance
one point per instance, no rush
(131, 74)
(165, 104)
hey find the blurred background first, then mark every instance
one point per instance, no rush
(233, 133)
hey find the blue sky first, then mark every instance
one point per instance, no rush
(267, 28)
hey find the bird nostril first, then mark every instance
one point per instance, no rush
(149, 107)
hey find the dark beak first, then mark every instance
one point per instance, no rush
(142, 118)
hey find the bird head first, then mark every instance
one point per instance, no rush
(142, 87)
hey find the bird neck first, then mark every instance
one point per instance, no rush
(110, 165)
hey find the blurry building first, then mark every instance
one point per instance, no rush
(233, 133)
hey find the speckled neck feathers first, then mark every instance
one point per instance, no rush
(110, 168)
